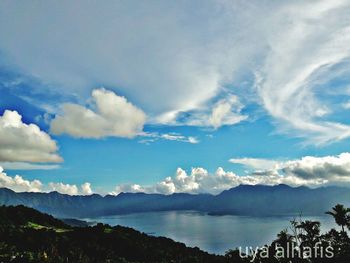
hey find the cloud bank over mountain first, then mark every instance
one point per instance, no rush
(18, 184)
(309, 171)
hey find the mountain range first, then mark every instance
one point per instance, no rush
(258, 200)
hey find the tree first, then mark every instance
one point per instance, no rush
(340, 214)
(283, 238)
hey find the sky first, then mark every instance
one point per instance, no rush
(173, 96)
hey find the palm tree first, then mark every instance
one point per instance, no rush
(340, 214)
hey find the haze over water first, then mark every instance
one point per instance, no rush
(215, 234)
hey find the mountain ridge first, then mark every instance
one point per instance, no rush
(241, 200)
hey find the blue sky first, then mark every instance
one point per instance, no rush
(195, 96)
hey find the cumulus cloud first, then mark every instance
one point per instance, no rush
(64, 188)
(309, 171)
(18, 183)
(127, 188)
(333, 169)
(201, 181)
(328, 169)
(114, 116)
(21, 142)
(71, 189)
(86, 189)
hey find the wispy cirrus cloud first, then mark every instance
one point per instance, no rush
(294, 52)
(301, 65)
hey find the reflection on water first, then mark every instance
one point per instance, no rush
(215, 234)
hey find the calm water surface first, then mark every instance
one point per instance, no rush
(215, 234)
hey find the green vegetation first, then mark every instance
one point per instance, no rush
(27, 235)
(38, 227)
(341, 216)
(304, 242)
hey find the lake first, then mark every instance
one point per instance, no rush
(215, 234)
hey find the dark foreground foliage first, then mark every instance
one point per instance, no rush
(303, 242)
(30, 236)
(27, 235)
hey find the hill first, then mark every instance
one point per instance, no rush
(27, 235)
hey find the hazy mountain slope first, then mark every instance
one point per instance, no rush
(278, 200)
(244, 199)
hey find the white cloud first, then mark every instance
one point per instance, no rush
(333, 169)
(127, 188)
(295, 49)
(131, 48)
(86, 189)
(201, 181)
(328, 169)
(306, 48)
(21, 142)
(27, 166)
(114, 116)
(177, 137)
(71, 189)
(309, 171)
(226, 111)
(18, 183)
(346, 105)
(149, 137)
(257, 163)
(64, 188)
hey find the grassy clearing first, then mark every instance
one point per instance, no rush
(39, 227)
